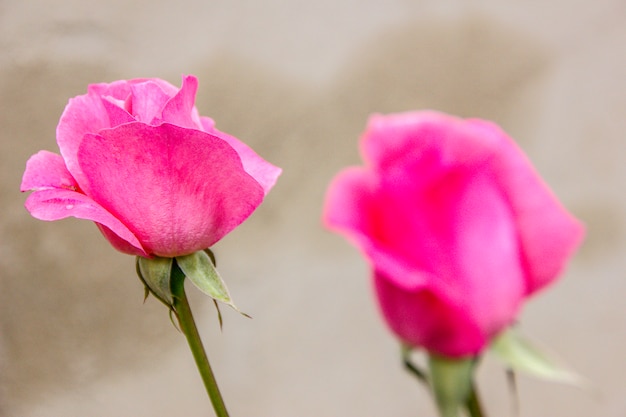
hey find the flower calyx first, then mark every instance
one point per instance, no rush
(158, 275)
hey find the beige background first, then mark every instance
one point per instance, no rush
(296, 80)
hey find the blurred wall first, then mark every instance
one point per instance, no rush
(297, 80)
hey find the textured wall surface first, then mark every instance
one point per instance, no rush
(297, 80)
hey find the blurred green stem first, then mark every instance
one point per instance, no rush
(188, 327)
(473, 404)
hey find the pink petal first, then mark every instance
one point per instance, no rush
(116, 111)
(119, 90)
(178, 190)
(455, 237)
(178, 110)
(56, 204)
(167, 88)
(148, 99)
(46, 170)
(480, 241)
(421, 318)
(82, 115)
(352, 208)
(428, 137)
(265, 173)
(548, 233)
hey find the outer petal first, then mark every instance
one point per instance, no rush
(548, 234)
(353, 208)
(178, 190)
(56, 204)
(46, 170)
(82, 115)
(421, 318)
(261, 170)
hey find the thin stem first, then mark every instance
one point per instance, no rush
(473, 404)
(188, 327)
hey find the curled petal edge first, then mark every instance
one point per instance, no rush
(57, 204)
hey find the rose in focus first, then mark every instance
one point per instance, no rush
(457, 225)
(138, 160)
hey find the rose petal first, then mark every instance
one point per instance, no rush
(442, 327)
(119, 90)
(46, 170)
(400, 140)
(178, 110)
(148, 99)
(83, 114)
(261, 170)
(548, 233)
(116, 111)
(56, 204)
(480, 244)
(179, 190)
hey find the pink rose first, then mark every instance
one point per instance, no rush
(137, 159)
(456, 223)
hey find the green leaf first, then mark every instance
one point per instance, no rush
(451, 381)
(199, 268)
(521, 355)
(155, 274)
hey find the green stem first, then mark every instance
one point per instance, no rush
(473, 404)
(188, 327)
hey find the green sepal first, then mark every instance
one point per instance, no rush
(451, 381)
(519, 354)
(200, 270)
(411, 367)
(156, 275)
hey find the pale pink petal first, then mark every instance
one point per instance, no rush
(548, 233)
(261, 170)
(46, 170)
(116, 110)
(56, 204)
(179, 109)
(148, 99)
(82, 115)
(179, 190)
(119, 90)
(167, 88)
(207, 124)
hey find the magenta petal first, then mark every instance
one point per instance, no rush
(352, 208)
(179, 109)
(261, 170)
(46, 170)
(56, 204)
(421, 318)
(548, 233)
(427, 138)
(179, 190)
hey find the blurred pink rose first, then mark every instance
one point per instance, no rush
(137, 159)
(456, 223)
